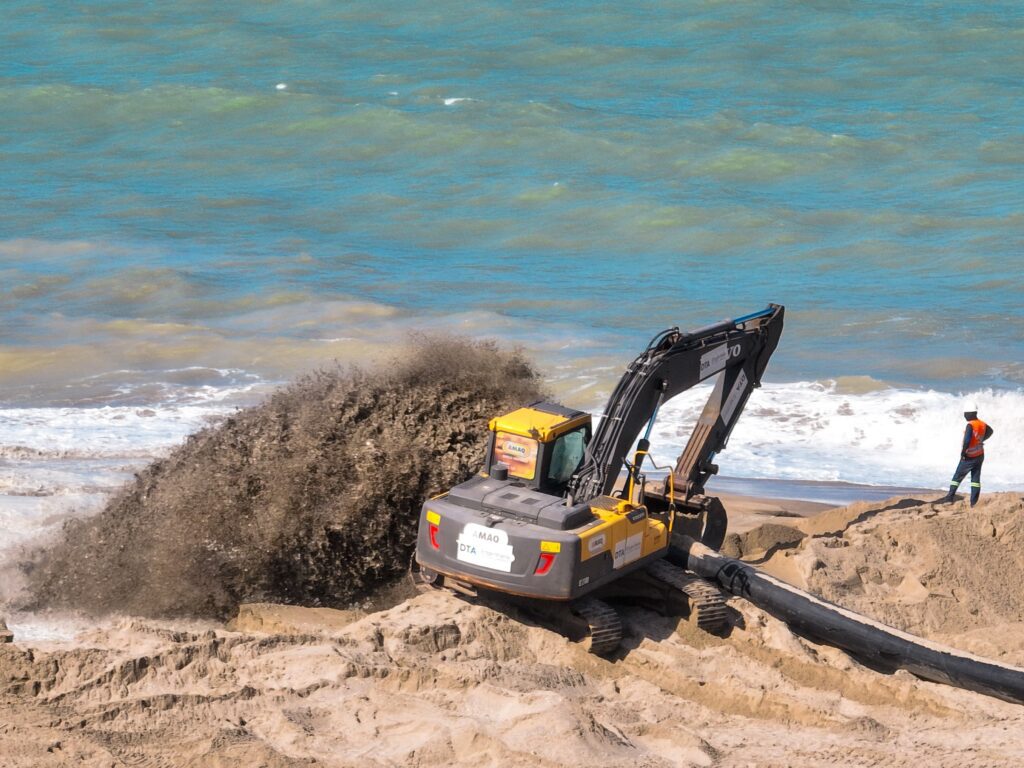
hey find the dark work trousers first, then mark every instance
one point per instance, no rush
(974, 467)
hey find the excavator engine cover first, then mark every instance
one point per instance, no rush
(536, 546)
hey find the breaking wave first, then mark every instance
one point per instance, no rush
(857, 431)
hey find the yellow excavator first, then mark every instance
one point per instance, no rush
(545, 518)
(549, 523)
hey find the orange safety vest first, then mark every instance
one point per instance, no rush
(975, 448)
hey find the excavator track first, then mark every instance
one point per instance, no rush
(593, 623)
(603, 623)
(707, 603)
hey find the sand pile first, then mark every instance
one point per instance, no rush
(311, 497)
(940, 571)
(437, 681)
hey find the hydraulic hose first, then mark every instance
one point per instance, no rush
(877, 645)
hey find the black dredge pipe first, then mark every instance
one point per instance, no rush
(877, 645)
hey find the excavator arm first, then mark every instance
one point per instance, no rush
(736, 350)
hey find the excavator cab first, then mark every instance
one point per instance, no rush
(541, 445)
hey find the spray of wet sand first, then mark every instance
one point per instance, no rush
(311, 497)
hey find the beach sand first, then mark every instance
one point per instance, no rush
(748, 512)
(436, 680)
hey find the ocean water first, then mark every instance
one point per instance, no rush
(201, 200)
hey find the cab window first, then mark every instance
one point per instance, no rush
(566, 455)
(516, 452)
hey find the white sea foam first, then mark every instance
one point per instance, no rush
(61, 462)
(817, 431)
(107, 432)
(57, 463)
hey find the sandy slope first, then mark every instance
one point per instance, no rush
(439, 681)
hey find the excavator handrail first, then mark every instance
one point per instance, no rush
(634, 473)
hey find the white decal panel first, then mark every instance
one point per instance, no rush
(627, 550)
(734, 397)
(713, 361)
(486, 547)
(596, 543)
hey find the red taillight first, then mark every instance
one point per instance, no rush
(432, 529)
(547, 559)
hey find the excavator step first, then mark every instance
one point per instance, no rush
(707, 603)
(603, 622)
(427, 580)
(424, 579)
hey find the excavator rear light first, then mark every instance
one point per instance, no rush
(432, 530)
(547, 559)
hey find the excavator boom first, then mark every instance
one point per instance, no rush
(737, 350)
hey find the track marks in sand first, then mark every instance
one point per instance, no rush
(764, 671)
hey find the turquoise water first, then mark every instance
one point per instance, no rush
(197, 198)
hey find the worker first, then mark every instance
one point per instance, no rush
(972, 454)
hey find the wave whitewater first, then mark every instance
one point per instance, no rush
(857, 431)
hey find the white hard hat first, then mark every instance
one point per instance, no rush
(970, 407)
